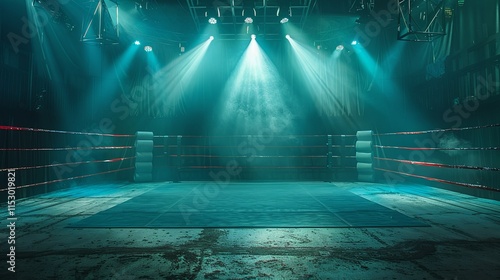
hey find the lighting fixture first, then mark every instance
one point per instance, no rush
(249, 11)
(284, 12)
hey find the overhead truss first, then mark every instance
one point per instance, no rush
(98, 26)
(422, 20)
(231, 15)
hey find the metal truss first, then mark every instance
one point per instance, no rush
(98, 26)
(230, 20)
(421, 20)
(362, 5)
(56, 11)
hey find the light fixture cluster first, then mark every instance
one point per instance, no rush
(284, 11)
(249, 12)
(212, 13)
(147, 48)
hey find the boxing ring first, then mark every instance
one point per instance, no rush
(465, 159)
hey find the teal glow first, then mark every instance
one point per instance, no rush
(153, 63)
(255, 97)
(327, 80)
(112, 77)
(366, 61)
(382, 81)
(170, 83)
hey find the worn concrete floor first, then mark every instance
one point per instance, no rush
(462, 242)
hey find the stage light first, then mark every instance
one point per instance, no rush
(253, 36)
(212, 14)
(340, 47)
(249, 11)
(211, 38)
(284, 11)
(137, 43)
(212, 20)
(288, 37)
(148, 48)
(254, 96)
(354, 43)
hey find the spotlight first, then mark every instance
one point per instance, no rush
(354, 43)
(253, 36)
(137, 43)
(212, 14)
(288, 37)
(148, 48)
(284, 11)
(248, 11)
(211, 38)
(340, 47)
(212, 20)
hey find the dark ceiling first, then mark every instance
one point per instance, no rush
(170, 22)
(182, 20)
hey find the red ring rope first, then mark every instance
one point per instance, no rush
(240, 136)
(436, 130)
(475, 186)
(66, 179)
(440, 164)
(67, 163)
(3, 127)
(444, 149)
(67, 148)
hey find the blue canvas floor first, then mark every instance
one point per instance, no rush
(248, 205)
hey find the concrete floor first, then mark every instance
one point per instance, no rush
(462, 242)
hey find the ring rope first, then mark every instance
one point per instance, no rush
(440, 164)
(438, 149)
(436, 130)
(67, 148)
(67, 163)
(475, 186)
(70, 178)
(14, 128)
(249, 135)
